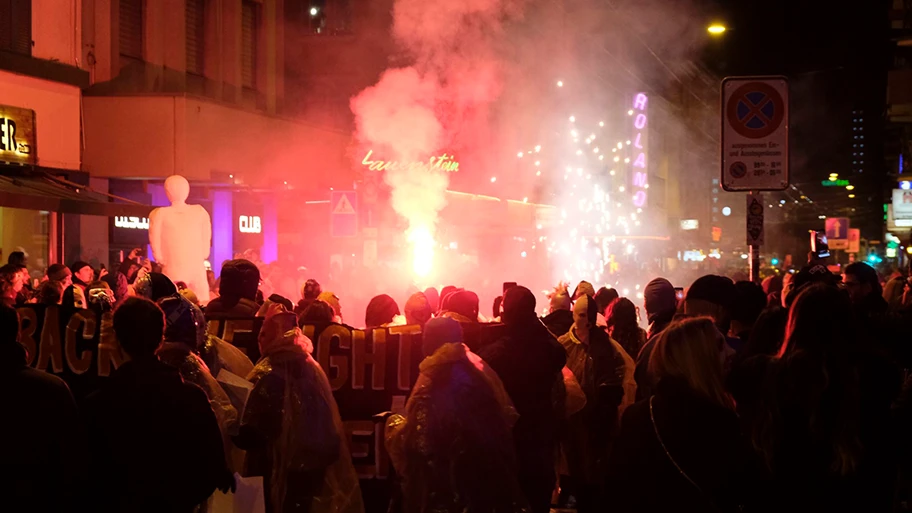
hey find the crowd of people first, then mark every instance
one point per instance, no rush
(790, 395)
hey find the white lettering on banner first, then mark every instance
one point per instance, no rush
(640, 178)
(250, 224)
(131, 223)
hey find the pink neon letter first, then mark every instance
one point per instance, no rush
(639, 179)
(640, 121)
(639, 199)
(639, 102)
(640, 161)
(636, 143)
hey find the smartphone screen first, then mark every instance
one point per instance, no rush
(679, 293)
(819, 244)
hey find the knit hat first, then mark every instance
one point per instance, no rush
(464, 303)
(332, 300)
(381, 310)
(659, 296)
(58, 272)
(78, 266)
(440, 331)
(714, 289)
(418, 309)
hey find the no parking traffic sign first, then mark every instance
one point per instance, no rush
(755, 150)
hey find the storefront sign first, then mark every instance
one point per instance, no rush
(902, 204)
(250, 224)
(690, 224)
(834, 183)
(131, 223)
(17, 135)
(443, 163)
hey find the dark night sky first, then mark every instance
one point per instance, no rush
(836, 56)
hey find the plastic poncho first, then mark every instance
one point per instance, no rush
(600, 371)
(292, 430)
(453, 449)
(194, 370)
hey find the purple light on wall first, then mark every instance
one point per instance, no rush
(639, 199)
(270, 251)
(222, 229)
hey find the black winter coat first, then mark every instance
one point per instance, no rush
(559, 322)
(154, 441)
(702, 437)
(41, 451)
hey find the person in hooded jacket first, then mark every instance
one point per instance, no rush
(661, 302)
(418, 309)
(529, 361)
(453, 448)
(598, 366)
(381, 312)
(155, 444)
(291, 426)
(238, 287)
(43, 475)
(560, 317)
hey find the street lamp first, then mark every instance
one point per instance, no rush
(716, 29)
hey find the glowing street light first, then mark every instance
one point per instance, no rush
(314, 11)
(716, 29)
(850, 187)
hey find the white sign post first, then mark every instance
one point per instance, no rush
(755, 134)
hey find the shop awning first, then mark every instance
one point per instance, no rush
(37, 190)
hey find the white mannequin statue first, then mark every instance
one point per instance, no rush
(180, 236)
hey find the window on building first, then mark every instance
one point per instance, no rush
(16, 26)
(196, 36)
(131, 29)
(249, 24)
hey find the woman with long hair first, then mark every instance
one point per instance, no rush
(10, 285)
(819, 413)
(621, 317)
(681, 449)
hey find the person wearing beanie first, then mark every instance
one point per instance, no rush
(381, 312)
(448, 464)
(309, 293)
(600, 368)
(559, 318)
(529, 361)
(418, 310)
(331, 299)
(433, 298)
(238, 287)
(83, 273)
(462, 305)
(61, 273)
(660, 302)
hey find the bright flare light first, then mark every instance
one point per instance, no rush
(422, 251)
